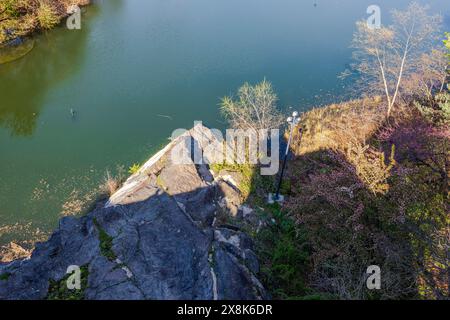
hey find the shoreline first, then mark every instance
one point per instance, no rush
(22, 22)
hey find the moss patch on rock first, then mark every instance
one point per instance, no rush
(4, 276)
(105, 242)
(58, 290)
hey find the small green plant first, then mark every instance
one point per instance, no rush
(46, 16)
(4, 276)
(246, 170)
(105, 242)
(10, 8)
(58, 290)
(134, 168)
(286, 187)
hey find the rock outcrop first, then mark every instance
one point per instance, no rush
(156, 238)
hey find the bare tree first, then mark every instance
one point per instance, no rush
(430, 77)
(255, 107)
(384, 57)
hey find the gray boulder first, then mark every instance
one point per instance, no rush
(154, 239)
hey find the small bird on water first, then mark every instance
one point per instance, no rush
(72, 112)
(164, 116)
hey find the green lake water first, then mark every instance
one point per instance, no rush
(138, 70)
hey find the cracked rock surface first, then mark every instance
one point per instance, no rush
(163, 243)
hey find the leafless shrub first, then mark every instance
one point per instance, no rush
(255, 108)
(430, 78)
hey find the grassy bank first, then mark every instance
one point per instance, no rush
(22, 17)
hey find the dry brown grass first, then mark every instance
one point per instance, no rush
(347, 129)
(111, 183)
(335, 126)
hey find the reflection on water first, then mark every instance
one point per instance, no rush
(24, 83)
(16, 49)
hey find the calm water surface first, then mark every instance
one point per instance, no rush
(139, 69)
